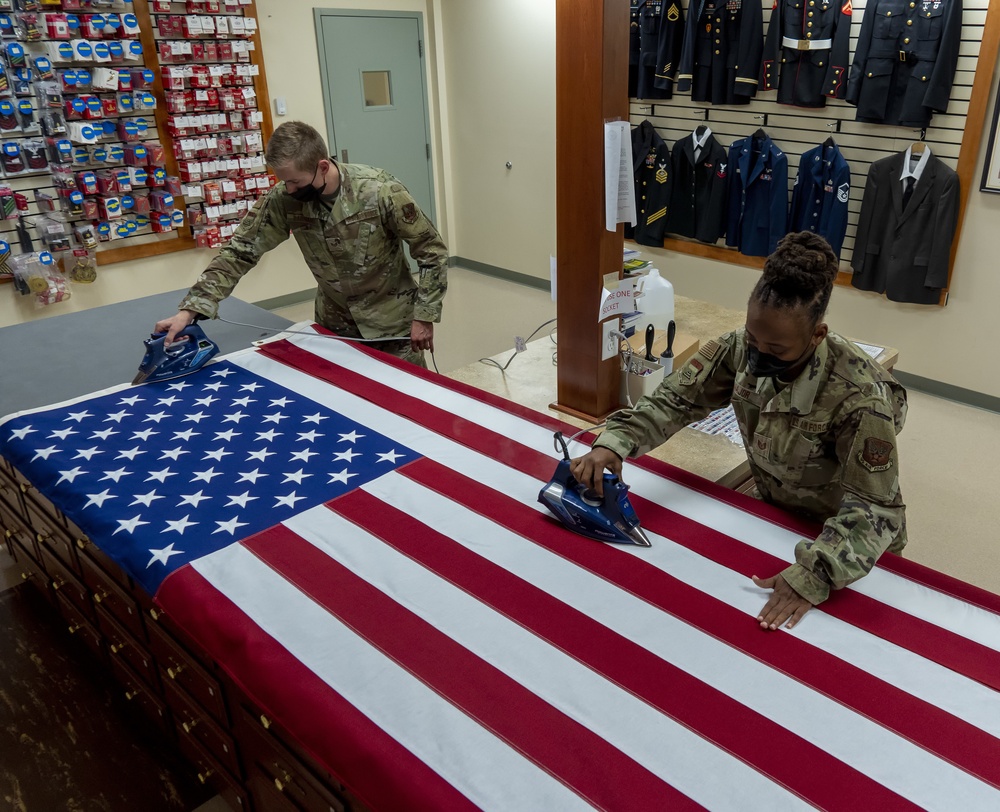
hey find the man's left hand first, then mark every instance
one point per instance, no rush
(422, 336)
(784, 604)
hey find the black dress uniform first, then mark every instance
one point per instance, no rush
(720, 60)
(655, 38)
(822, 190)
(905, 61)
(652, 176)
(758, 195)
(905, 252)
(698, 200)
(807, 44)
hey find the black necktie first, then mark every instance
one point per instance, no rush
(908, 191)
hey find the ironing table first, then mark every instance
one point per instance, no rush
(335, 586)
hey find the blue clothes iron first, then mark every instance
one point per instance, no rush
(190, 351)
(608, 518)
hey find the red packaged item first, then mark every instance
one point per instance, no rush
(173, 185)
(156, 6)
(90, 208)
(196, 216)
(161, 200)
(212, 192)
(124, 180)
(211, 52)
(107, 182)
(141, 204)
(110, 208)
(86, 182)
(21, 201)
(109, 106)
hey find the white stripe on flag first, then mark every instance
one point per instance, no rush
(697, 768)
(902, 766)
(477, 763)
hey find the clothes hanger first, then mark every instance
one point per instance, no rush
(919, 147)
(699, 131)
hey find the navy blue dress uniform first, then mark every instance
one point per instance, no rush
(698, 201)
(653, 177)
(720, 60)
(904, 251)
(905, 61)
(655, 38)
(820, 195)
(758, 195)
(807, 51)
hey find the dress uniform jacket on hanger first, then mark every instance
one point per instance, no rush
(758, 195)
(807, 44)
(820, 195)
(720, 60)
(905, 61)
(698, 201)
(905, 252)
(655, 38)
(653, 178)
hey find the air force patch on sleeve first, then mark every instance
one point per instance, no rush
(876, 455)
(843, 191)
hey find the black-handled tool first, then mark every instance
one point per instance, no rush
(667, 356)
(650, 331)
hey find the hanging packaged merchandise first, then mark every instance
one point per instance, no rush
(80, 265)
(36, 273)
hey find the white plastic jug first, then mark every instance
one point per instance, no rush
(656, 303)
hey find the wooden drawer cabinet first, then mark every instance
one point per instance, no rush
(65, 583)
(122, 645)
(108, 593)
(178, 665)
(14, 528)
(30, 569)
(89, 552)
(79, 626)
(51, 533)
(191, 721)
(141, 696)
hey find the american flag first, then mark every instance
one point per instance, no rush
(438, 641)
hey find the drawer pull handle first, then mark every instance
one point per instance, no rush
(8, 534)
(74, 628)
(130, 695)
(57, 585)
(154, 614)
(173, 671)
(115, 648)
(42, 537)
(278, 785)
(189, 726)
(24, 488)
(100, 596)
(265, 722)
(26, 575)
(82, 543)
(203, 777)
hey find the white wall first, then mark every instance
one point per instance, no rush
(499, 59)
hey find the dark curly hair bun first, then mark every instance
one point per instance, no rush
(799, 274)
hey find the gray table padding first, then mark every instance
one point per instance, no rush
(54, 359)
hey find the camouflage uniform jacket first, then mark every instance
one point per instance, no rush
(354, 249)
(823, 446)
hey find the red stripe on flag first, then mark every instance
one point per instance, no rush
(748, 735)
(342, 739)
(921, 637)
(591, 767)
(929, 726)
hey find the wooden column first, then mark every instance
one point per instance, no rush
(591, 88)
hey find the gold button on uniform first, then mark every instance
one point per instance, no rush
(809, 35)
(810, 14)
(888, 14)
(906, 41)
(821, 64)
(913, 5)
(870, 75)
(910, 22)
(809, 25)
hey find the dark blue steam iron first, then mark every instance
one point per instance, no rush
(608, 518)
(190, 351)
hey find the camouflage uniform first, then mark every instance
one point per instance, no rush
(823, 445)
(355, 251)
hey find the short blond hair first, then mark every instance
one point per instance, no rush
(295, 143)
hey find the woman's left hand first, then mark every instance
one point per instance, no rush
(784, 604)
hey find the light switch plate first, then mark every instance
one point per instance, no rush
(280, 108)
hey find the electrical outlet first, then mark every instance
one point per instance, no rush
(609, 342)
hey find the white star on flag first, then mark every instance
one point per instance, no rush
(251, 476)
(156, 417)
(230, 526)
(193, 499)
(179, 525)
(87, 453)
(241, 500)
(197, 417)
(104, 435)
(269, 435)
(303, 455)
(315, 418)
(289, 500)
(280, 402)
(143, 435)
(227, 435)
(163, 555)
(168, 401)
(45, 453)
(129, 454)
(115, 475)
(207, 475)
(117, 417)
(62, 434)
(343, 476)
(173, 453)
(131, 401)
(261, 455)
(20, 434)
(78, 416)
(348, 455)
(185, 435)
(251, 387)
(390, 456)
(215, 387)
(235, 417)
(350, 437)
(129, 525)
(99, 498)
(309, 436)
(146, 499)
(206, 401)
(222, 373)
(277, 417)
(69, 476)
(296, 477)
(179, 386)
(245, 401)
(217, 454)
(160, 476)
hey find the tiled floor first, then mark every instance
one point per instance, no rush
(948, 451)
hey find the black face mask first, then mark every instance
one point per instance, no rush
(764, 365)
(307, 194)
